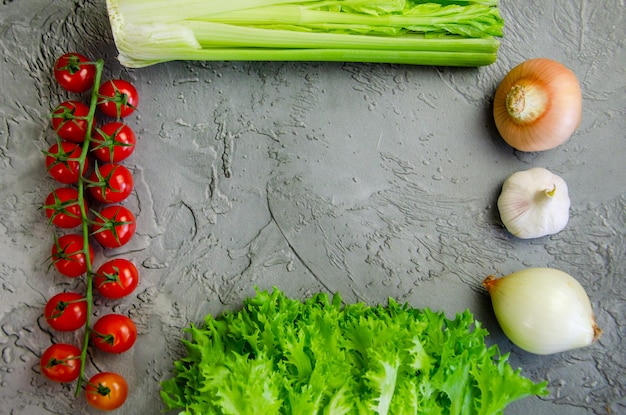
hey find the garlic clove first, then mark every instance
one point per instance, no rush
(534, 203)
(543, 310)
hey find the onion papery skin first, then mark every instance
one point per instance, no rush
(550, 125)
(543, 310)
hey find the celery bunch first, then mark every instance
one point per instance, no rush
(282, 356)
(436, 32)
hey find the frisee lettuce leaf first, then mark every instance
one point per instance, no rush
(284, 356)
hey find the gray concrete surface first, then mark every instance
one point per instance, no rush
(375, 181)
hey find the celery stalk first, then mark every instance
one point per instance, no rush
(439, 32)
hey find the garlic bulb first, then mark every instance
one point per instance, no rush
(543, 310)
(534, 203)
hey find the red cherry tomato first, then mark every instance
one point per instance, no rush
(62, 207)
(113, 142)
(117, 98)
(74, 72)
(69, 120)
(114, 226)
(68, 255)
(106, 391)
(61, 362)
(114, 333)
(111, 183)
(116, 278)
(66, 311)
(62, 162)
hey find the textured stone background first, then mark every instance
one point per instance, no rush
(371, 180)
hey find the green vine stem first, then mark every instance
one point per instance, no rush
(99, 64)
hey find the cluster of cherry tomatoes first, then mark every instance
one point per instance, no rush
(86, 162)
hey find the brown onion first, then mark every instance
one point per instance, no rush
(538, 105)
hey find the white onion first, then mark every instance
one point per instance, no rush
(543, 310)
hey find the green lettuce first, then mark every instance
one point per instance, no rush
(283, 356)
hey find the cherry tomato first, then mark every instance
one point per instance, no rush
(68, 255)
(111, 183)
(69, 120)
(106, 391)
(62, 162)
(114, 333)
(62, 207)
(74, 72)
(117, 98)
(114, 226)
(61, 362)
(113, 142)
(66, 311)
(116, 278)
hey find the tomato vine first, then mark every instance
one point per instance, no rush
(68, 207)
